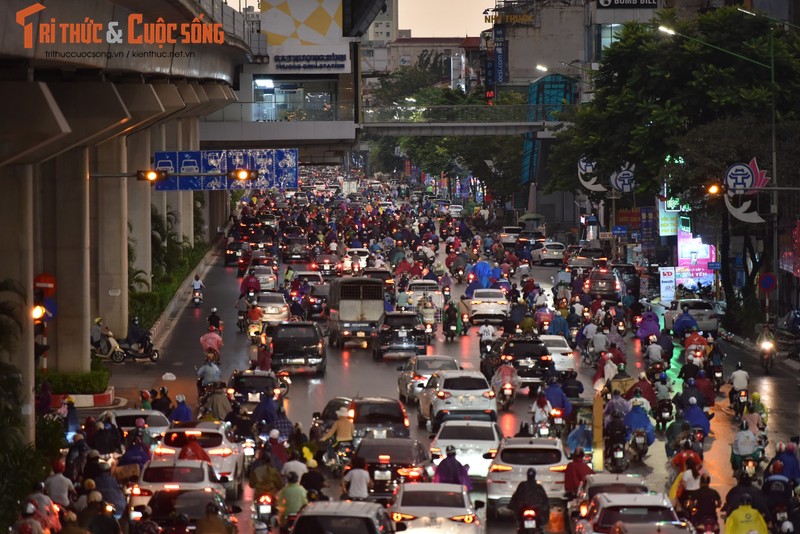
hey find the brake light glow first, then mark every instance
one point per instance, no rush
(172, 486)
(436, 450)
(231, 391)
(224, 452)
(265, 499)
(384, 459)
(444, 394)
(160, 451)
(410, 472)
(555, 412)
(499, 468)
(584, 509)
(468, 518)
(419, 377)
(546, 358)
(488, 394)
(351, 413)
(141, 492)
(193, 433)
(406, 422)
(397, 517)
(558, 468)
(529, 513)
(617, 286)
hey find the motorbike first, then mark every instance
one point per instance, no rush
(459, 274)
(542, 430)
(241, 321)
(545, 327)
(114, 352)
(145, 350)
(254, 332)
(616, 462)
(341, 457)
(707, 525)
(450, 331)
(486, 346)
(506, 396)
(780, 513)
(621, 328)
(588, 356)
(716, 377)
(263, 513)
(638, 445)
(446, 294)
(663, 414)
(197, 298)
(284, 383)
(528, 523)
(740, 400)
(557, 422)
(654, 370)
(573, 337)
(464, 324)
(767, 355)
(749, 466)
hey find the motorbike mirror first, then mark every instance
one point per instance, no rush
(479, 504)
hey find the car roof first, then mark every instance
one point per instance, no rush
(628, 499)
(437, 356)
(547, 337)
(134, 411)
(552, 443)
(620, 478)
(189, 425)
(253, 372)
(296, 323)
(661, 527)
(401, 314)
(432, 486)
(376, 270)
(455, 373)
(343, 508)
(169, 461)
(387, 400)
(423, 281)
(459, 422)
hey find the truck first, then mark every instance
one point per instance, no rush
(349, 186)
(355, 307)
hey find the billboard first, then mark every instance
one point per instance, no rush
(693, 257)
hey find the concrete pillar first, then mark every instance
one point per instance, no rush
(70, 185)
(174, 141)
(158, 143)
(111, 272)
(139, 202)
(16, 249)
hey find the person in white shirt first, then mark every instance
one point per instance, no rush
(487, 332)
(357, 482)
(654, 352)
(599, 342)
(197, 284)
(294, 465)
(58, 487)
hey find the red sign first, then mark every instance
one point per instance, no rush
(628, 217)
(46, 283)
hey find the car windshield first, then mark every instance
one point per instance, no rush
(185, 474)
(326, 258)
(156, 419)
(602, 277)
(468, 433)
(401, 320)
(522, 349)
(465, 383)
(433, 499)
(381, 275)
(697, 305)
(399, 453)
(205, 439)
(558, 344)
(530, 456)
(418, 286)
(172, 503)
(424, 364)
(298, 334)
(253, 383)
(591, 252)
(488, 294)
(554, 246)
(629, 489)
(512, 229)
(378, 412)
(636, 514)
(317, 524)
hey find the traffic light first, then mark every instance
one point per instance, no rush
(489, 94)
(242, 174)
(151, 175)
(38, 313)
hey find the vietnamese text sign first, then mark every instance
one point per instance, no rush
(667, 221)
(647, 229)
(667, 278)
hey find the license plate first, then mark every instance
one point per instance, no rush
(249, 451)
(508, 391)
(639, 439)
(402, 333)
(264, 509)
(379, 434)
(544, 431)
(530, 523)
(295, 255)
(742, 399)
(297, 361)
(254, 397)
(718, 375)
(239, 253)
(665, 415)
(618, 454)
(383, 475)
(360, 334)
(558, 421)
(452, 328)
(782, 516)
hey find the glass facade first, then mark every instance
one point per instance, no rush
(606, 34)
(286, 99)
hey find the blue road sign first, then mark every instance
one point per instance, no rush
(286, 168)
(189, 163)
(620, 231)
(166, 161)
(714, 265)
(238, 159)
(767, 282)
(169, 184)
(213, 161)
(50, 309)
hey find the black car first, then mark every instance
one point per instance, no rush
(400, 334)
(246, 387)
(234, 251)
(381, 416)
(326, 265)
(527, 353)
(393, 461)
(299, 346)
(262, 258)
(315, 301)
(603, 283)
(168, 505)
(296, 249)
(629, 275)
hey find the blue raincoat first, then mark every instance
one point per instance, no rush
(557, 399)
(471, 287)
(580, 437)
(482, 271)
(636, 419)
(696, 417)
(683, 323)
(559, 326)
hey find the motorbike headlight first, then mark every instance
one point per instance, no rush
(766, 345)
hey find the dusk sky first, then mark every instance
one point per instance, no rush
(444, 18)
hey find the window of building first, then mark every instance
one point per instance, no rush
(276, 100)
(606, 35)
(367, 52)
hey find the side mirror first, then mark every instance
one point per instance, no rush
(479, 505)
(488, 456)
(431, 436)
(316, 415)
(234, 509)
(223, 480)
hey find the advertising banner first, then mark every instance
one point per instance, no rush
(693, 257)
(629, 217)
(647, 229)
(667, 220)
(667, 276)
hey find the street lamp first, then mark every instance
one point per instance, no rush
(771, 67)
(542, 68)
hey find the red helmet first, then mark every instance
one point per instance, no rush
(58, 466)
(780, 447)
(212, 328)
(777, 467)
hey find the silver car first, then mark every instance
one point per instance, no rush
(274, 308)
(417, 370)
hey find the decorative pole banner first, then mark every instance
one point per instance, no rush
(589, 168)
(744, 179)
(623, 179)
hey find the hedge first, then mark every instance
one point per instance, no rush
(95, 381)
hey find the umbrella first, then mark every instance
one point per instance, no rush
(530, 217)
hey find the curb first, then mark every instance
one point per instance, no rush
(86, 401)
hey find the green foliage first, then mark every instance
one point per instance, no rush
(408, 81)
(50, 437)
(89, 383)
(12, 313)
(146, 306)
(199, 221)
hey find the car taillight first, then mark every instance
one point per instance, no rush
(172, 486)
(231, 391)
(223, 451)
(312, 300)
(617, 286)
(488, 394)
(406, 422)
(436, 450)
(546, 358)
(558, 468)
(468, 518)
(410, 472)
(160, 451)
(499, 468)
(584, 509)
(444, 394)
(384, 459)
(397, 517)
(140, 492)
(419, 377)
(555, 412)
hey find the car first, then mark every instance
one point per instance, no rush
(527, 353)
(172, 474)
(662, 527)
(455, 210)
(381, 274)
(269, 219)
(579, 266)
(315, 301)
(508, 235)
(345, 516)
(561, 352)
(260, 257)
(591, 252)
(526, 237)
(293, 231)
(274, 307)
(266, 277)
(299, 347)
(544, 252)
(487, 304)
(472, 439)
(325, 264)
(313, 277)
(296, 249)
(436, 507)
(259, 239)
(597, 483)
(247, 387)
(393, 461)
(215, 437)
(455, 395)
(606, 509)
(234, 251)
(156, 423)
(629, 274)
(703, 312)
(603, 283)
(425, 288)
(167, 505)
(400, 335)
(382, 416)
(510, 466)
(417, 370)
(386, 205)
(354, 255)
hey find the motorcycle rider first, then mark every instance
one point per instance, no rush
(599, 341)
(557, 398)
(745, 445)
(505, 373)
(615, 431)
(777, 488)
(683, 323)
(739, 380)
(136, 335)
(213, 319)
(208, 373)
(211, 341)
(451, 316)
(791, 466)
(689, 370)
(99, 336)
(758, 406)
(559, 326)
(645, 390)
(197, 284)
(342, 430)
(487, 333)
(571, 386)
(528, 324)
(617, 404)
(676, 432)
(290, 500)
(530, 495)
(576, 472)
(766, 335)
(637, 419)
(744, 488)
(451, 471)
(745, 519)
(264, 478)
(218, 404)
(249, 283)
(704, 503)
(706, 388)
(622, 381)
(654, 352)
(663, 388)
(696, 340)
(696, 417)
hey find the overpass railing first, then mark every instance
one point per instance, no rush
(270, 112)
(461, 114)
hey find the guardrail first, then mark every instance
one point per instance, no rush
(268, 112)
(461, 114)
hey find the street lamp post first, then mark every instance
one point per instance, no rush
(773, 127)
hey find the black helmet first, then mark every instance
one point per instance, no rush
(252, 272)
(679, 414)
(450, 450)
(577, 453)
(745, 499)
(739, 365)
(292, 477)
(531, 474)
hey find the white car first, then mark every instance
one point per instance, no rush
(419, 288)
(266, 277)
(433, 507)
(559, 349)
(172, 474)
(594, 484)
(703, 312)
(386, 205)
(606, 509)
(510, 467)
(155, 422)
(354, 255)
(456, 395)
(313, 277)
(472, 439)
(487, 304)
(455, 210)
(227, 456)
(543, 252)
(417, 370)
(509, 234)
